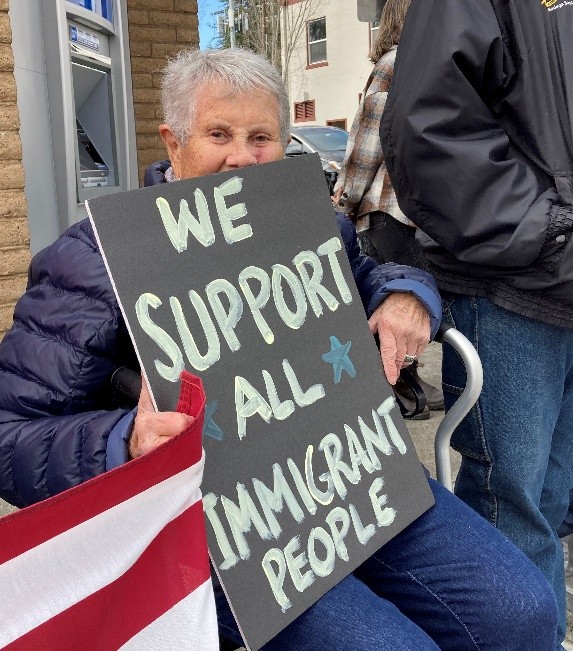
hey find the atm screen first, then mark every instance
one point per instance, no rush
(93, 171)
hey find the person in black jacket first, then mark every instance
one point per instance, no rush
(448, 581)
(478, 139)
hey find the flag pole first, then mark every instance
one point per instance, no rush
(233, 40)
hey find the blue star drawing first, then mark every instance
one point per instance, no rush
(210, 427)
(338, 357)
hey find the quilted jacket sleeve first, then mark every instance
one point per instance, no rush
(377, 281)
(56, 408)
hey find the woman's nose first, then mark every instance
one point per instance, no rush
(241, 156)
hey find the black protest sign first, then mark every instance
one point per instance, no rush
(242, 278)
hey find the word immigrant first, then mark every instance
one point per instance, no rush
(276, 562)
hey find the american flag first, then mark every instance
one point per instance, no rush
(119, 562)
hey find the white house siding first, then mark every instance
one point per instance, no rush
(335, 87)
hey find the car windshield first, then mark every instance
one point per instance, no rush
(326, 139)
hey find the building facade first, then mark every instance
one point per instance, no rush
(328, 63)
(79, 113)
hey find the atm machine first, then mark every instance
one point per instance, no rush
(86, 107)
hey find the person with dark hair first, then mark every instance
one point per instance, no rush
(364, 192)
(478, 138)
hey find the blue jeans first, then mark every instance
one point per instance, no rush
(449, 581)
(566, 527)
(517, 442)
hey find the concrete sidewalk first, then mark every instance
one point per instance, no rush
(5, 508)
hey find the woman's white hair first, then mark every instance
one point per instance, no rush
(240, 71)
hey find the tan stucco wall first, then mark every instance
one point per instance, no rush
(14, 234)
(157, 30)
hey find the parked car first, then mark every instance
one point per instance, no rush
(328, 142)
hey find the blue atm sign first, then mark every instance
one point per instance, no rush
(82, 37)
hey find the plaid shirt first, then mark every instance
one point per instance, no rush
(363, 177)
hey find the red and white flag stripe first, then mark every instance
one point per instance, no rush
(118, 562)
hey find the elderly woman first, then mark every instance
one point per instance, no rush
(449, 581)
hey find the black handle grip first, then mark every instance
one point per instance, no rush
(126, 386)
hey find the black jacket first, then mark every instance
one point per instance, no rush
(478, 138)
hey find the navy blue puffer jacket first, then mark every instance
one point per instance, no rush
(56, 407)
(68, 337)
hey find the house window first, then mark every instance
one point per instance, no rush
(340, 124)
(316, 37)
(304, 111)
